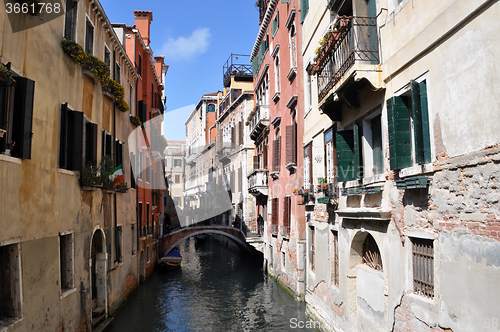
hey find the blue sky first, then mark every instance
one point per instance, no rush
(196, 37)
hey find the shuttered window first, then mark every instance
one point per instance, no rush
(276, 154)
(23, 117)
(290, 145)
(401, 110)
(287, 210)
(106, 146)
(304, 8)
(71, 139)
(255, 162)
(90, 143)
(274, 215)
(142, 110)
(346, 155)
(275, 24)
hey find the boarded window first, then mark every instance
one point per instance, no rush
(423, 267)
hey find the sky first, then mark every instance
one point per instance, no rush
(196, 37)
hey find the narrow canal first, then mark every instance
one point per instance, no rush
(217, 289)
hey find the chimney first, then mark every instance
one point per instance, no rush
(143, 19)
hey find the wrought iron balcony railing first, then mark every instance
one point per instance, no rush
(352, 40)
(259, 121)
(237, 65)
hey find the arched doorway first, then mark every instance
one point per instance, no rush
(98, 274)
(366, 284)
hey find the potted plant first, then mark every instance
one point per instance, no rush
(136, 121)
(9, 147)
(322, 185)
(6, 78)
(90, 176)
(105, 171)
(122, 187)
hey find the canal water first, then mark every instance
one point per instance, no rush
(217, 289)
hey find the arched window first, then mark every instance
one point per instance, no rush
(211, 108)
(371, 254)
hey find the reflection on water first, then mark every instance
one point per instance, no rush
(217, 289)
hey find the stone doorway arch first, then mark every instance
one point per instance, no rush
(98, 269)
(366, 282)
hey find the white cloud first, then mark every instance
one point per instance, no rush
(187, 47)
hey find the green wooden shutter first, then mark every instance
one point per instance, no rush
(304, 8)
(357, 132)
(345, 155)
(426, 136)
(399, 133)
(421, 122)
(23, 117)
(417, 122)
(378, 158)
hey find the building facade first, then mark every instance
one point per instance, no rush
(403, 215)
(277, 86)
(235, 150)
(69, 259)
(147, 152)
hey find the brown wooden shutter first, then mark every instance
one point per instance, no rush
(255, 162)
(63, 138)
(233, 136)
(91, 143)
(264, 156)
(286, 210)
(290, 144)
(276, 154)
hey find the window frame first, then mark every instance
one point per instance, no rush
(66, 280)
(89, 23)
(72, 22)
(431, 264)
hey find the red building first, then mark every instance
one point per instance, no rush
(276, 126)
(149, 105)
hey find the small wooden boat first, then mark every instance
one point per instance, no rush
(171, 261)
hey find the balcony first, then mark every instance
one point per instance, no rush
(257, 182)
(259, 121)
(237, 66)
(348, 59)
(225, 153)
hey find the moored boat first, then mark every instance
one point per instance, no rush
(171, 261)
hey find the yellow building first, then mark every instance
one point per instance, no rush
(67, 246)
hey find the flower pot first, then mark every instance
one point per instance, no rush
(7, 152)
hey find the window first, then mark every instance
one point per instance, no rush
(177, 162)
(70, 19)
(312, 248)
(371, 253)
(89, 38)
(329, 156)
(107, 142)
(140, 218)
(287, 215)
(66, 261)
(372, 134)
(308, 167)
(75, 135)
(134, 247)
(164, 201)
(277, 154)
(275, 24)
(304, 8)
(177, 179)
(147, 217)
(274, 215)
(117, 73)
(277, 74)
(119, 243)
(408, 120)
(16, 116)
(211, 108)
(118, 153)
(10, 287)
(148, 170)
(139, 69)
(107, 56)
(293, 47)
(141, 165)
(335, 261)
(423, 267)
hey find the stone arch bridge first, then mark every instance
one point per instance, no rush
(169, 241)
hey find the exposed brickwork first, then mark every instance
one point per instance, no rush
(83, 326)
(326, 295)
(130, 284)
(406, 321)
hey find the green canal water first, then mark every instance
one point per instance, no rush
(217, 289)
